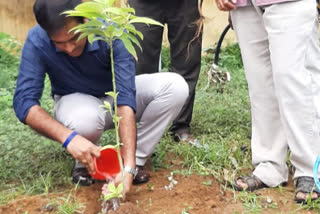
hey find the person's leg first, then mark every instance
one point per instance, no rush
(159, 97)
(148, 58)
(182, 28)
(268, 142)
(84, 114)
(293, 34)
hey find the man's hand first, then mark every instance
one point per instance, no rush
(226, 5)
(128, 178)
(83, 150)
(79, 147)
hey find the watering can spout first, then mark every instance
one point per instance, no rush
(315, 172)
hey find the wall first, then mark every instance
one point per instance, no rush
(16, 18)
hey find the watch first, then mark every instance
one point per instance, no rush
(130, 170)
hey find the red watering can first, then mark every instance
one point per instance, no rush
(107, 165)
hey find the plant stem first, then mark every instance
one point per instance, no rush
(115, 114)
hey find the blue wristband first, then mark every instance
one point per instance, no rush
(71, 136)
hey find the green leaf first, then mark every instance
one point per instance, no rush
(128, 45)
(145, 20)
(114, 10)
(112, 188)
(116, 119)
(89, 15)
(106, 3)
(120, 188)
(90, 38)
(133, 39)
(99, 38)
(131, 28)
(94, 31)
(112, 94)
(89, 7)
(111, 195)
(83, 35)
(117, 32)
(128, 10)
(107, 106)
(94, 23)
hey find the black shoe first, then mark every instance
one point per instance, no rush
(141, 177)
(187, 138)
(81, 176)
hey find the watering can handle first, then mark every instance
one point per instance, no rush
(315, 172)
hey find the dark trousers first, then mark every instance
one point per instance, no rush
(180, 16)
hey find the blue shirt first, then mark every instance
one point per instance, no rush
(90, 73)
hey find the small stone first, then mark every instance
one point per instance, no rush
(269, 200)
(48, 208)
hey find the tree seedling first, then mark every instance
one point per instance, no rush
(108, 23)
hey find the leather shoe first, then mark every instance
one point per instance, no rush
(141, 177)
(81, 176)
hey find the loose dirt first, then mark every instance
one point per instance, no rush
(190, 194)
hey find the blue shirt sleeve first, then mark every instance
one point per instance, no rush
(30, 80)
(124, 67)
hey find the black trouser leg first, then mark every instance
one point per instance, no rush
(180, 15)
(148, 58)
(181, 30)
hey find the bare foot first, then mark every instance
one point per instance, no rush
(248, 183)
(240, 183)
(304, 196)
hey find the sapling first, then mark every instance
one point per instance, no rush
(106, 22)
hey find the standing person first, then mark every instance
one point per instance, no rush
(185, 37)
(281, 56)
(80, 74)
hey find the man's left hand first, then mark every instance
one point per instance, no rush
(128, 178)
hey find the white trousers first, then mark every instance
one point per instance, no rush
(281, 56)
(159, 99)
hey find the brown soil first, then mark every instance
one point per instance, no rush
(190, 194)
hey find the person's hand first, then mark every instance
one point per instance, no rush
(226, 5)
(83, 150)
(128, 178)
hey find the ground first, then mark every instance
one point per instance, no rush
(193, 194)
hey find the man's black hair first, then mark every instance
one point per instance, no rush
(48, 14)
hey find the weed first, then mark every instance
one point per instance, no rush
(255, 203)
(9, 44)
(311, 204)
(150, 187)
(68, 205)
(186, 210)
(207, 183)
(9, 193)
(46, 182)
(165, 59)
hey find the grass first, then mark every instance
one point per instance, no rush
(32, 164)
(254, 203)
